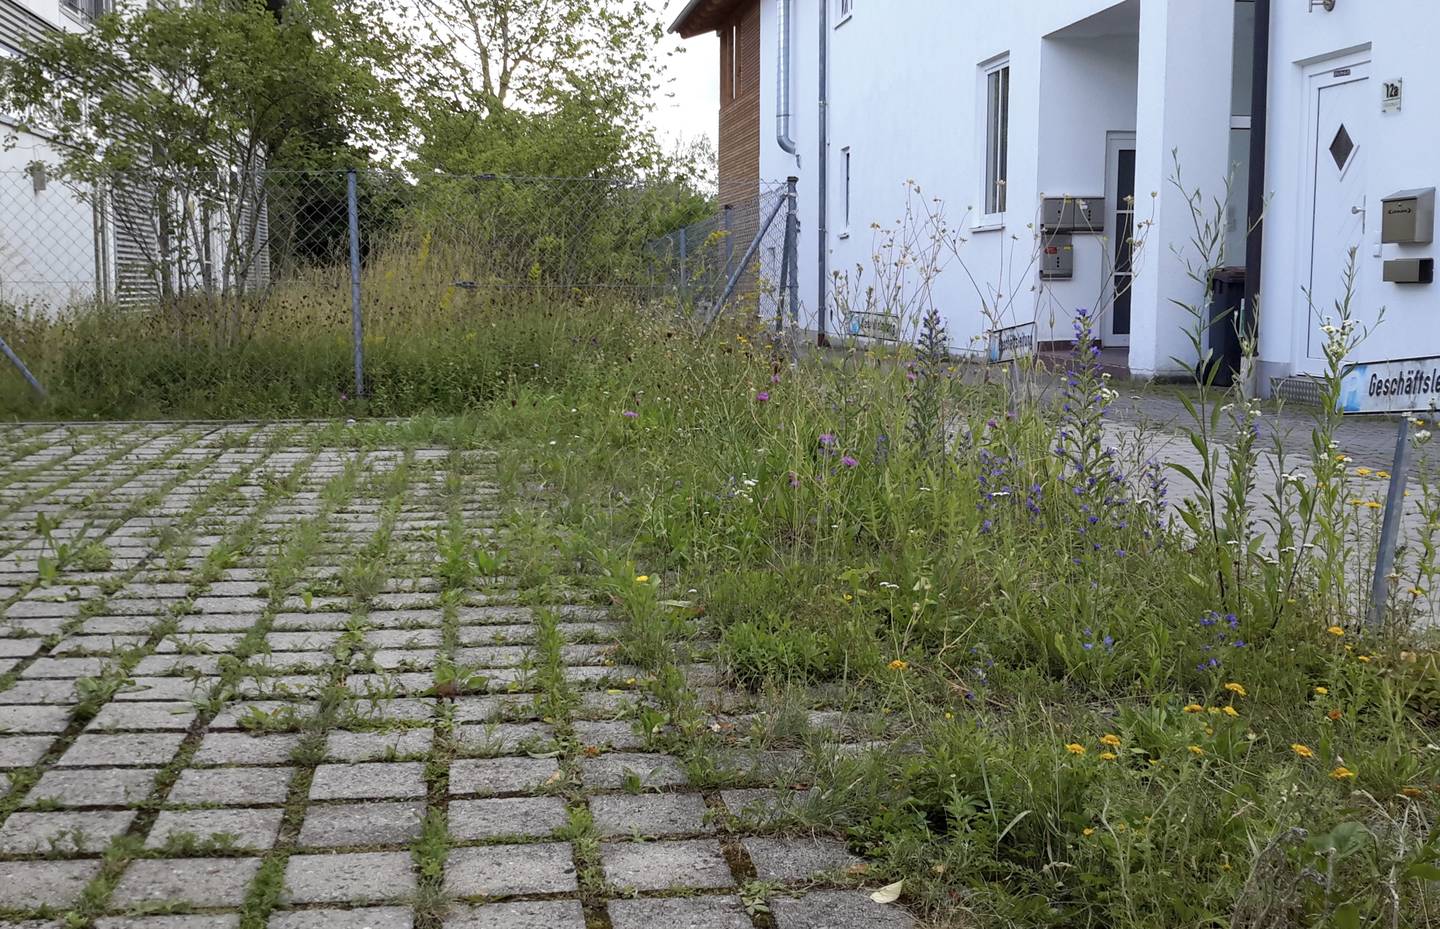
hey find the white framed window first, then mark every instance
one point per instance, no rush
(844, 9)
(995, 110)
(8, 52)
(845, 162)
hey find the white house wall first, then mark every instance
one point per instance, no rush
(1398, 38)
(905, 97)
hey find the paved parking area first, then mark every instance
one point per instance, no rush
(239, 686)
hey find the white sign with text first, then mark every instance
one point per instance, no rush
(1408, 385)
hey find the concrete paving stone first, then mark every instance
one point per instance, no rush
(527, 817)
(67, 831)
(192, 643)
(127, 750)
(405, 659)
(196, 921)
(579, 633)
(589, 676)
(164, 665)
(649, 814)
(143, 715)
(291, 661)
(761, 805)
(65, 667)
(373, 823)
(368, 781)
(29, 885)
(492, 776)
(20, 718)
(492, 708)
(586, 654)
(614, 735)
(599, 704)
(530, 914)
(493, 656)
(102, 787)
(495, 615)
(611, 770)
(118, 625)
(351, 877)
(228, 604)
(489, 739)
(403, 638)
(241, 748)
(682, 865)
(236, 589)
(98, 645)
(146, 689)
(511, 870)
(216, 623)
(19, 648)
(199, 882)
(290, 713)
(679, 913)
(283, 686)
(837, 909)
(394, 745)
(793, 860)
(406, 619)
(230, 786)
(43, 609)
(391, 683)
(309, 641)
(363, 710)
(22, 751)
(299, 622)
(497, 636)
(49, 691)
(368, 917)
(252, 830)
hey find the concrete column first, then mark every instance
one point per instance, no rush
(1183, 110)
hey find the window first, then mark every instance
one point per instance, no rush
(734, 60)
(843, 10)
(87, 9)
(845, 206)
(997, 136)
(7, 51)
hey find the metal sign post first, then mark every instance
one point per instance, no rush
(1403, 386)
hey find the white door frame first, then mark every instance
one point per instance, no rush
(1115, 142)
(1317, 75)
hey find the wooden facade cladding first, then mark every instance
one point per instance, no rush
(739, 141)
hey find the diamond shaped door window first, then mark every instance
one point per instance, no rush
(1342, 148)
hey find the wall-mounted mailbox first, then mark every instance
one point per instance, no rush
(1057, 258)
(1072, 214)
(1408, 217)
(1410, 271)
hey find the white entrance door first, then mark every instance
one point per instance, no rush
(1343, 122)
(1119, 235)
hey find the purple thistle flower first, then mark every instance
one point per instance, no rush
(762, 396)
(827, 439)
(630, 414)
(848, 461)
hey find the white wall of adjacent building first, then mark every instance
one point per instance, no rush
(908, 103)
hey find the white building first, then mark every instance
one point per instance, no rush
(993, 105)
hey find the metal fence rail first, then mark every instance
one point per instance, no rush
(208, 262)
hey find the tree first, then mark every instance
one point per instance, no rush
(173, 112)
(541, 86)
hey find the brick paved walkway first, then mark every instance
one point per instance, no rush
(242, 696)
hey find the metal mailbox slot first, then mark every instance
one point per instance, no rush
(1408, 217)
(1073, 214)
(1057, 258)
(1410, 271)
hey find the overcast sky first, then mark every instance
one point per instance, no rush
(687, 104)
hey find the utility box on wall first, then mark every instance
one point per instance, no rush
(1408, 217)
(1410, 271)
(1057, 258)
(1072, 214)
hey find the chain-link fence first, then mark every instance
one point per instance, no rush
(178, 267)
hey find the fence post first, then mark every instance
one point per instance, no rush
(683, 283)
(24, 371)
(727, 225)
(792, 243)
(356, 323)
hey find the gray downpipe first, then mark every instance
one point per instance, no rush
(782, 83)
(822, 204)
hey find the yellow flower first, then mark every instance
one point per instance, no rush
(849, 597)
(1110, 739)
(1363, 472)
(1108, 756)
(1087, 831)
(1383, 474)
(1194, 708)
(1335, 631)
(1414, 793)
(1075, 748)
(1322, 691)
(1230, 711)
(1417, 592)
(1373, 504)
(898, 665)
(1237, 689)
(1304, 751)
(1341, 773)
(642, 579)
(1196, 750)
(949, 715)
(1364, 658)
